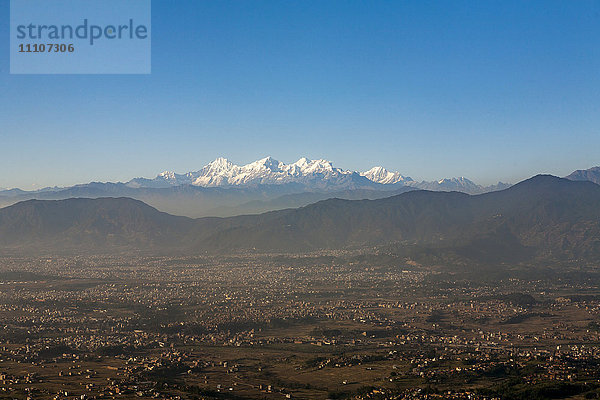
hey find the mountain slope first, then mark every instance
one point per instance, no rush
(556, 217)
(296, 200)
(592, 175)
(197, 201)
(544, 217)
(90, 224)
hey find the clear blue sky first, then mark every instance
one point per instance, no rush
(490, 90)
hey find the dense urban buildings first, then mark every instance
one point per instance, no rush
(312, 326)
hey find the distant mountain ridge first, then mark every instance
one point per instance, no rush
(224, 189)
(592, 175)
(543, 218)
(314, 174)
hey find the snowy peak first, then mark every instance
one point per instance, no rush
(220, 164)
(461, 184)
(213, 173)
(385, 177)
(321, 167)
(265, 164)
(301, 163)
(462, 181)
(167, 175)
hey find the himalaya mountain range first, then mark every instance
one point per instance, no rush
(313, 174)
(223, 189)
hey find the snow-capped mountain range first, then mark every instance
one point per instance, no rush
(223, 189)
(316, 174)
(267, 171)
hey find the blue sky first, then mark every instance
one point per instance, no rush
(490, 90)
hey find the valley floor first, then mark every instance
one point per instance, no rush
(305, 327)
